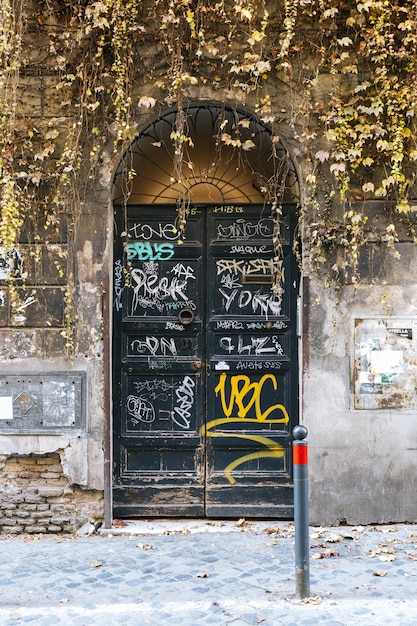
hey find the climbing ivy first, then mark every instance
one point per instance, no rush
(352, 67)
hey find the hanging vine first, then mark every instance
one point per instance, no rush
(352, 66)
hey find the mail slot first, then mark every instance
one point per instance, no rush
(257, 279)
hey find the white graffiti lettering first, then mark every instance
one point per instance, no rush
(155, 346)
(258, 365)
(249, 266)
(279, 324)
(251, 250)
(230, 281)
(251, 345)
(229, 325)
(266, 303)
(241, 229)
(155, 288)
(140, 409)
(174, 326)
(183, 272)
(159, 365)
(162, 231)
(185, 400)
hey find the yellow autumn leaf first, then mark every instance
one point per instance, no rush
(386, 558)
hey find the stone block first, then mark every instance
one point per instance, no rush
(53, 528)
(51, 492)
(42, 507)
(34, 499)
(42, 515)
(33, 529)
(15, 530)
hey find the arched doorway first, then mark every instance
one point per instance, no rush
(205, 367)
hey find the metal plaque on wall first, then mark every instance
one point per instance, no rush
(43, 403)
(385, 365)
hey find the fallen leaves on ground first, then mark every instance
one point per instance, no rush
(205, 575)
(411, 555)
(285, 533)
(313, 600)
(380, 573)
(242, 523)
(144, 546)
(327, 554)
(384, 553)
(333, 538)
(96, 564)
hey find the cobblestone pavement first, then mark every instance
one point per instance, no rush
(209, 573)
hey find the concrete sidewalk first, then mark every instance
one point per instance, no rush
(166, 573)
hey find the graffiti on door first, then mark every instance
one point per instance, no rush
(156, 399)
(236, 295)
(154, 290)
(243, 401)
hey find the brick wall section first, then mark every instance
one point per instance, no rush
(35, 497)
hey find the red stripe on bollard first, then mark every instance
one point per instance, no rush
(300, 455)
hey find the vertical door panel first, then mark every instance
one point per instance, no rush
(159, 461)
(252, 386)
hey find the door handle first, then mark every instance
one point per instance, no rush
(186, 316)
(198, 365)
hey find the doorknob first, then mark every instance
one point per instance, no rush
(186, 316)
(197, 365)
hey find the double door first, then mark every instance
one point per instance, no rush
(205, 369)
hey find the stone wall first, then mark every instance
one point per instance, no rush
(36, 497)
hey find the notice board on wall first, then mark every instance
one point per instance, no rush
(385, 363)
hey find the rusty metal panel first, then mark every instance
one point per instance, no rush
(385, 363)
(42, 404)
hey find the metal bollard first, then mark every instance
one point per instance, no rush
(302, 557)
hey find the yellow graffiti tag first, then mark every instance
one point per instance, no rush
(241, 390)
(274, 449)
(246, 394)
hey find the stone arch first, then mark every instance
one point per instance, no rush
(233, 157)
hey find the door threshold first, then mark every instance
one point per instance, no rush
(195, 526)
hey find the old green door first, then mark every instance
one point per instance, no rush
(205, 372)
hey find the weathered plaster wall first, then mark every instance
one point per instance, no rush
(362, 462)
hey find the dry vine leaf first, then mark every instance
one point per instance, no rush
(411, 555)
(242, 523)
(380, 573)
(325, 555)
(144, 546)
(96, 564)
(313, 600)
(333, 538)
(205, 575)
(319, 532)
(386, 558)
